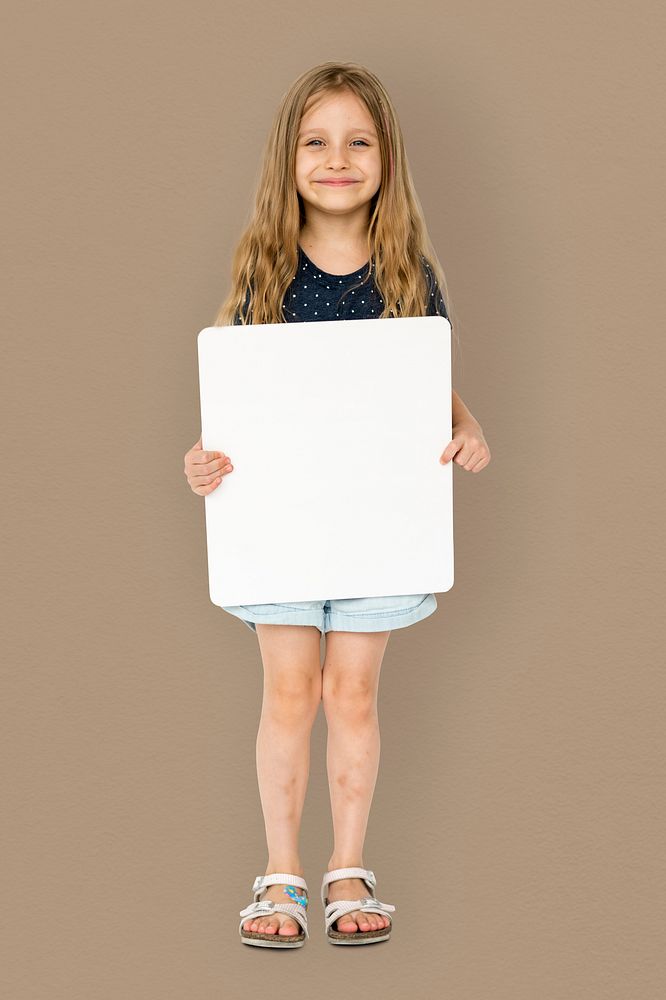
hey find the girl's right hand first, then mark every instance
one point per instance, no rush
(204, 469)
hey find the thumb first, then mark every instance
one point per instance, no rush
(449, 452)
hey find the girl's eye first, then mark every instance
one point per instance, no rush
(319, 140)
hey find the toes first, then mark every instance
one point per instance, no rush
(262, 926)
(361, 921)
(365, 921)
(355, 921)
(271, 925)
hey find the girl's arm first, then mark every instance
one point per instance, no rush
(436, 306)
(467, 447)
(459, 412)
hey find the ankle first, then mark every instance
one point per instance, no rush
(289, 867)
(344, 863)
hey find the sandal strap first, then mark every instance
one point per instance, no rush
(275, 878)
(335, 874)
(264, 907)
(338, 908)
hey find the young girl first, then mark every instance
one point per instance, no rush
(337, 233)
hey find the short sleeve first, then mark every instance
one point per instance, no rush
(436, 305)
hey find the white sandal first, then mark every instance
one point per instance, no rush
(336, 909)
(262, 907)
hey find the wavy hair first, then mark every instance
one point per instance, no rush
(265, 259)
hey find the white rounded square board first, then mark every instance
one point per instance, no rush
(335, 430)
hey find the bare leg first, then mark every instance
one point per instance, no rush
(291, 697)
(349, 693)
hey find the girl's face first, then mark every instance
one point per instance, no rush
(337, 141)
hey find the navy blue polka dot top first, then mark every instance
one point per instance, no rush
(317, 295)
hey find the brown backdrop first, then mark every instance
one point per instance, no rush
(518, 816)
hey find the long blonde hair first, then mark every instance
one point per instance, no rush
(266, 256)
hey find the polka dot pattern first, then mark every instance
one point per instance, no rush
(349, 295)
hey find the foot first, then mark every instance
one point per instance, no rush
(276, 922)
(356, 920)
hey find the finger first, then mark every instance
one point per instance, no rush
(212, 468)
(481, 464)
(205, 457)
(194, 468)
(464, 456)
(200, 480)
(203, 491)
(468, 457)
(475, 458)
(451, 450)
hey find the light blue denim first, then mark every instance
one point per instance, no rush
(349, 614)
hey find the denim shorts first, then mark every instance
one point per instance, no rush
(350, 614)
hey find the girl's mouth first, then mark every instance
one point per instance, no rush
(336, 183)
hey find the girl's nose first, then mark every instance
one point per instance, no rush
(337, 158)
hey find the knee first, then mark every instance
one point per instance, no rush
(293, 696)
(351, 698)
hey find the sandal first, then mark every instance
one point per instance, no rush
(260, 908)
(336, 909)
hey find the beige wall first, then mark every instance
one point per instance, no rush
(517, 822)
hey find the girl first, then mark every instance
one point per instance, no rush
(337, 233)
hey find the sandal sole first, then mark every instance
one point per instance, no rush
(269, 940)
(357, 937)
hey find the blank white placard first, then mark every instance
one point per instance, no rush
(334, 429)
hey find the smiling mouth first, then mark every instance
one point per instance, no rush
(336, 183)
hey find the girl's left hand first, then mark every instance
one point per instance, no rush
(467, 447)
